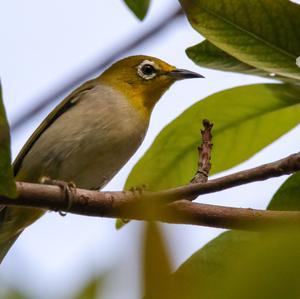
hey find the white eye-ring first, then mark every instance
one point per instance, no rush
(147, 69)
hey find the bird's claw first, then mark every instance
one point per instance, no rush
(138, 190)
(68, 189)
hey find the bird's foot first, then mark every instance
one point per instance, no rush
(138, 190)
(68, 189)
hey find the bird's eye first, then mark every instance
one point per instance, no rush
(148, 69)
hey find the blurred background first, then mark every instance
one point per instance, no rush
(44, 45)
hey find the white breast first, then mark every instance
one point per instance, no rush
(89, 143)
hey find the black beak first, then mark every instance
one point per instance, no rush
(181, 74)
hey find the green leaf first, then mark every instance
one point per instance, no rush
(287, 197)
(260, 33)
(12, 293)
(243, 120)
(243, 265)
(138, 7)
(201, 272)
(7, 184)
(157, 268)
(16, 296)
(91, 289)
(207, 55)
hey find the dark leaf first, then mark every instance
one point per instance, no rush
(205, 54)
(138, 7)
(260, 33)
(7, 184)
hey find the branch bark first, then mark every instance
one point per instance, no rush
(132, 206)
(125, 205)
(285, 166)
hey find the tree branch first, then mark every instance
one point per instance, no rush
(126, 204)
(285, 166)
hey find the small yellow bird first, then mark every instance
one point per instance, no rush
(91, 134)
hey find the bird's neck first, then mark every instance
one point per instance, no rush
(141, 99)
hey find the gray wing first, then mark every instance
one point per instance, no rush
(66, 104)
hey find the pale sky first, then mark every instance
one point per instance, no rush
(46, 41)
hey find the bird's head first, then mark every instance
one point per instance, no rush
(144, 79)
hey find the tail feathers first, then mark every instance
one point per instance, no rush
(9, 231)
(13, 221)
(6, 240)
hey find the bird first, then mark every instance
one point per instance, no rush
(91, 134)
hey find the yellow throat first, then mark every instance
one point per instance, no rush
(143, 80)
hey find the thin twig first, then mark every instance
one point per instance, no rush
(204, 151)
(285, 166)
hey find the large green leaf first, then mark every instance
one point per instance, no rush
(287, 196)
(243, 265)
(7, 184)
(139, 7)
(246, 119)
(206, 54)
(260, 33)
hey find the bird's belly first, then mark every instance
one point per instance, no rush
(94, 165)
(88, 151)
